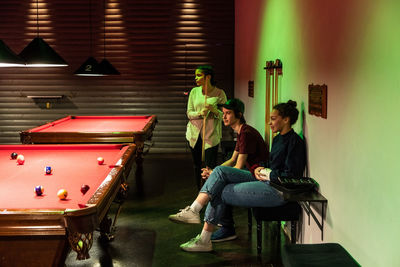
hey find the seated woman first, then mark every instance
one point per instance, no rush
(230, 186)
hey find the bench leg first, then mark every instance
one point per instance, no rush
(259, 237)
(293, 227)
(249, 220)
(279, 235)
(278, 242)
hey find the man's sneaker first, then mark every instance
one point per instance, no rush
(186, 215)
(223, 234)
(196, 245)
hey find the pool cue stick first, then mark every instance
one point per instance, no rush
(275, 84)
(272, 84)
(267, 101)
(278, 72)
(270, 97)
(203, 143)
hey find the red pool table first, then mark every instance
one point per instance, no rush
(40, 230)
(96, 129)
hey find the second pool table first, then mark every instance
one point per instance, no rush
(96, 129)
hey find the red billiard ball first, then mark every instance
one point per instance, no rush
(62, 194)
(84, 188)
(20, 159)
(14, 155)
(39, 190)
(100, 160)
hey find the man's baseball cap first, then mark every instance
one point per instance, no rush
(234, 104)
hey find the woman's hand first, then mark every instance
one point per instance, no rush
(212, 108)
(203, 112)
(260, 174)
(208, 108)
(205, 173)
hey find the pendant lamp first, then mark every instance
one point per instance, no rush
(8, 58)
(38, 53)
(106, 67)
(90, 67)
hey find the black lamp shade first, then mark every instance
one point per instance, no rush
(107, 68)
(89, 68)
(8, 58)
(39, 54)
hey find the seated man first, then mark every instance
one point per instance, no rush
(231, 186)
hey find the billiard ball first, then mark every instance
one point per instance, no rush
(48, 170)
(14, 155)
(100, 160)
(84, 188)
(62, 194)
(20, 159)
(39, 190)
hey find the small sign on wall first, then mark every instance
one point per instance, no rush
(251, 88)
(317, 100)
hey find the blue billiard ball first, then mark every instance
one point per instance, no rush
(39, 190)
(48, 170)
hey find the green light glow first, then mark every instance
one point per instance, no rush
(352, 46)
(279, 38)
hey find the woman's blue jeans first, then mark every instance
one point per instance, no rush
(235, 187)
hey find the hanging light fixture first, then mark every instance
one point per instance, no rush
(38, 53)
(106, 67)
(90, 67)
(8, 58)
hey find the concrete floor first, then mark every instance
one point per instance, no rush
(145, 236)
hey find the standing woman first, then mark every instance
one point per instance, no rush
(196, 111)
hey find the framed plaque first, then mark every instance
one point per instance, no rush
(317, 100)
(251, 88)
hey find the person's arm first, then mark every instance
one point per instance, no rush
(191, 112)
(241, 161)
(217, 112)
(214, 110)
(232, 161)
(295, 161)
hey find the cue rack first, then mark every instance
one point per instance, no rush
(273, 81)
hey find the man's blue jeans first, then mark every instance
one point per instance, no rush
(235, 187)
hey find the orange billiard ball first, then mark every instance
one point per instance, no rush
(100, 160)
(62, 194)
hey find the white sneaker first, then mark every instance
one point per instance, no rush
(186, 215)
(196, 245)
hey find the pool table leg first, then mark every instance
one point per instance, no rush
(106, 231)
(139, 168)
(107, 225)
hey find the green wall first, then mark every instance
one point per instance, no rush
(353, 47)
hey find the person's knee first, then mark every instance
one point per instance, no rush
(221, 169)
(220, 173)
